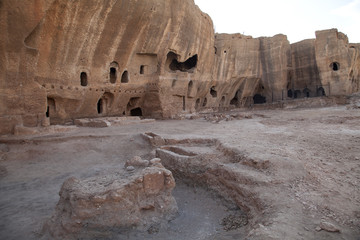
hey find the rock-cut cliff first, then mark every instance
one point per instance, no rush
(61, 60)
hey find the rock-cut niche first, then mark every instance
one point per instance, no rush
(50, 110)
(335, 66)
(104, 103)
(125, 77)
(133, 106)
(174, 65)
(190, 89)
(83, 79)
(114, 68)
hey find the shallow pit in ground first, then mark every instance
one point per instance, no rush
(202, 215)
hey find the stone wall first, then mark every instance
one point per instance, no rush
(338, 62)
(61, 60)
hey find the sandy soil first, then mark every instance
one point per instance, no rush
(312, 174)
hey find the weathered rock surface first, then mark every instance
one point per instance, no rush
(250, 70)
(338, 62)
(62, 60)
(136, 199)
(329, 227)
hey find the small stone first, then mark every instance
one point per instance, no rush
(329, 227)
(318, 229)
(155, 160)
(137, 161)
(130, 168)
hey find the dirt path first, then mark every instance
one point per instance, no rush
(312, 173)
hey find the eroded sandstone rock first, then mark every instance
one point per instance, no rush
(67, 60)
(120, 201)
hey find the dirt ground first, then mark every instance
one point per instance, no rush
(310, 178)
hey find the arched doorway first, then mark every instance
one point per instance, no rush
(290, 93)
(190, 88)
(259, 99)
(306, 92)
(136, 112)
(320, 91)
(104, 103)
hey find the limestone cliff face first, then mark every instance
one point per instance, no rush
(105, 57)
(303, 76)
(22, 100)
(338, 62)
(62, 60)
(252, 69)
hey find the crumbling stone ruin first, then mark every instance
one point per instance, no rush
(137, 197)
(62, 60)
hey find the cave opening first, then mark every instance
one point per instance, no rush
(50, 109)
(205, 102)
(186, 66)
(320, 91)
(136, 112)
(197, 103)
(259, 99)
(100, 107)
(235, 100)
(184, 103)
(142, 69)
(125, 77)
(290, 93)
(112, 75)
(83, 79)
(335, 66)
(306, 92)
(213, 92)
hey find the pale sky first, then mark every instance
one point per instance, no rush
(298, 19)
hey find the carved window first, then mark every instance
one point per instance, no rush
(125, 77)
(335, 66)
(112, 75)
(83, 79)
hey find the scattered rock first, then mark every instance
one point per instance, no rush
(137, 162)
(329, 227)
(155, 160)
(130, 168)
(234, 221)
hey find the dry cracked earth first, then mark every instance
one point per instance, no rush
(255, 174)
